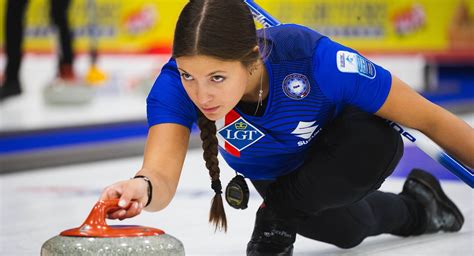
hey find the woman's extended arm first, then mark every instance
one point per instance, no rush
(408, 108)
(165, 151)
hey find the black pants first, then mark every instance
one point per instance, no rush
(334, 193)
(14, 26)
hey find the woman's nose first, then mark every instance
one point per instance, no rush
(203, 95)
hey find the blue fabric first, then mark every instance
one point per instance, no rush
(168, 102)
(355, 89)
(307, 90)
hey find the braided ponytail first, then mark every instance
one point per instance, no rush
(224, 30)
(210, 145)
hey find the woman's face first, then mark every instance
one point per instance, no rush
(215, 86)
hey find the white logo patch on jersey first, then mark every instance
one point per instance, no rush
(306, 131)
(349, 62)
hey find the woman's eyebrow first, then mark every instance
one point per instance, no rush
(212, 73)
(183, 70)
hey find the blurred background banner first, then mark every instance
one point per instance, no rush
(379, 26)
(138, 26)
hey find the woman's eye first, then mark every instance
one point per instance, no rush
(218, 79)
(187, 77)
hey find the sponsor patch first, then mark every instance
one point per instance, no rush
(349, 62)
(240, 134)
(306, 131)
(296, 86)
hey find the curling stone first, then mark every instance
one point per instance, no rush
(95, 237)
(63, 92)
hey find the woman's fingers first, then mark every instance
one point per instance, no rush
(131, 195)
(135, 190)
(116, 214)
(134, 210)
(111, 192)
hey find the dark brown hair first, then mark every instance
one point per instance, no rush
(224, 30)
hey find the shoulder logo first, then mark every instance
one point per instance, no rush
(349, 62)
(306, 131)
(296, 86)
(240, 134)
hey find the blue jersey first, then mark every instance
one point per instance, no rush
(311, 78)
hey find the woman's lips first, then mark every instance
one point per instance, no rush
(210, 110)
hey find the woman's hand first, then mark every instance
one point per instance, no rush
(165, 151)
(133, 195)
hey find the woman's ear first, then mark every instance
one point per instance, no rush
(252, 68)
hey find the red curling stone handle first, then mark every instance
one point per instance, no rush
(96, 226)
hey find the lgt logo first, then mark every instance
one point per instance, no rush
(240, 134)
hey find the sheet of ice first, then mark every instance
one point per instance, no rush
(37, 205)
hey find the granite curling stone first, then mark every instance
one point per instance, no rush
(61, 92)
(95, 237)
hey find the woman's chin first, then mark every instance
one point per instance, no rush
(215, 116)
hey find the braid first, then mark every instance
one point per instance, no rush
(210, 145)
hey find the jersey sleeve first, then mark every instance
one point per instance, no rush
(168, 102)
(346, 77)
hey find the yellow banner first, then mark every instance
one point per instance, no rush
(382, 25)
(142, 26)
(137, 26)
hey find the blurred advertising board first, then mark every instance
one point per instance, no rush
(145, 26)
